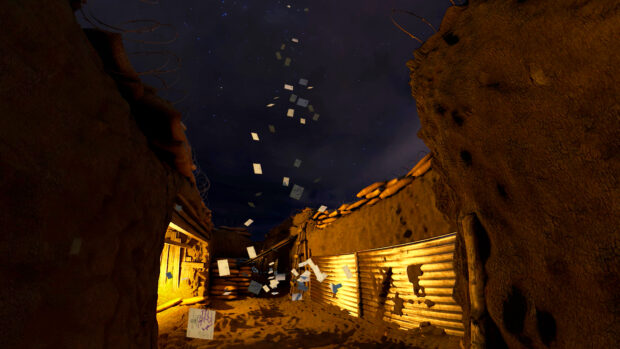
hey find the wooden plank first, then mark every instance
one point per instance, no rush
(180, 244)
(194, 265)
(163, 267)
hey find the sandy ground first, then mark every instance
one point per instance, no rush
(281, 323)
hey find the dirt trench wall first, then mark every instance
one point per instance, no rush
(518, 101)
(409, 215)
(84, 203)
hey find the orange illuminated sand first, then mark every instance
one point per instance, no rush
(280, 323)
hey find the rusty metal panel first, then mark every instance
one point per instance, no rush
(393, 298)
(347, 297)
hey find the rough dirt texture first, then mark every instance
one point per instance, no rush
(518, 101)
(282, 323)
(75, 172)
(408, 215)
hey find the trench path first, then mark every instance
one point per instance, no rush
(280, 323)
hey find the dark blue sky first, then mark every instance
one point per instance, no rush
(350, 52)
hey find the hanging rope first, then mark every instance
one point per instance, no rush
(412, 14)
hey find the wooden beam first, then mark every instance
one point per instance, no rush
(195, 265)
(170, 242)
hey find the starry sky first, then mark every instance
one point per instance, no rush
(222, 71)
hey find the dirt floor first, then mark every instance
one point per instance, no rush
(281, 323)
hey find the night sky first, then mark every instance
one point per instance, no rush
(352, 56)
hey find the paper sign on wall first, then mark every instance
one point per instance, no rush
(200, 323)
(222, 267)
(295, 273)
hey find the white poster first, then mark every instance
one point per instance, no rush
(200, 323)
(222, 267)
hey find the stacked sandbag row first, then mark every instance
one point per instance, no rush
(373, 193)
(236, 283)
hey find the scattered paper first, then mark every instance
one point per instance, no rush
(302, 121)
(282, 47)
(294, 272)
(317, 272)
(272, 129)
(301, 286)
(272, 263)
(278, 55)
(200, 323)
(251, 204)
(296, 296)
(254, 287)
(76, 245)
(297, 192)
(310, 108)
(285, 181)
(251, 252)
(270, 270)
(335, 287)
(178, 207)
(265, 288)
(292, 98)
(259, 193)
(316, 180)
(287, 62)
(248, 222)
(277, 97)
(303, 82)
(273, 283)
(305, 277)
(226, 293)
(306, 262)
(295, 40)
(270, 105)
(315, 117)
(322, 208)
(257, 168)
(288, 87)
(297, 163)
(222, 267)
(254, 136)
(347, 272)
(302, 102)
(280, 277)
(290, 113)
(275, 293)
(310, 87)
(271, 278)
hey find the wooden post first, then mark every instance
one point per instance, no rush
(475, 270)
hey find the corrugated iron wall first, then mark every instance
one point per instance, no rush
(387, 296)
(347, 296)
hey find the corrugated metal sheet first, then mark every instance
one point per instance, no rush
(370, 282)
(347, 297)
(434, 257)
